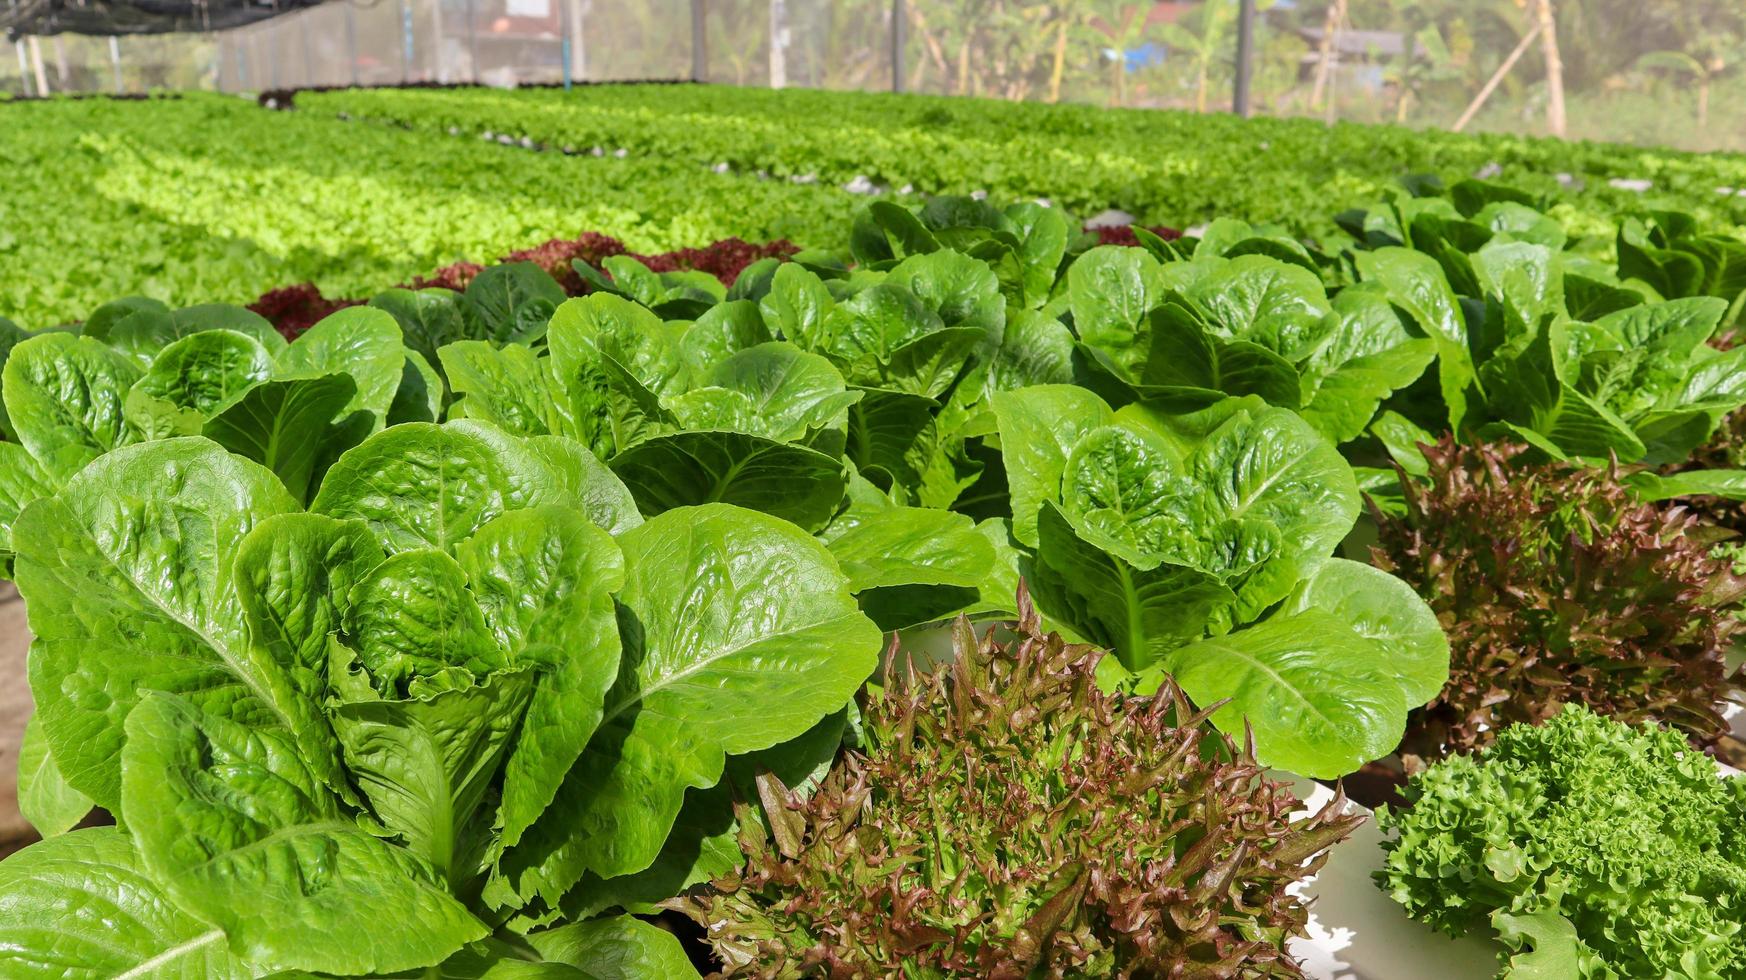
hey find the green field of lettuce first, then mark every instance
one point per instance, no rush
(290, 197)
(207, 198)
(1172, 168)
(950, 590)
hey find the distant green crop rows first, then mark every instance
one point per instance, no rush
(209, 198)
(1171, 168)
(212, 199)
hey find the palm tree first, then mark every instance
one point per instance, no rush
(1424, 56)
(1711, 49)
(1704, 70)
(1129, 27)
(1205, 42)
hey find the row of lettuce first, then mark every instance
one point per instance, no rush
(300, 196)
(488, 605)
(295, 308)
(285, 198)
(1173, 168)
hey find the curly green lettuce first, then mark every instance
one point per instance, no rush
(1614, 848)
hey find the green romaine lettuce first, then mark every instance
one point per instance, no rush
(1199, 545)
(468, 676)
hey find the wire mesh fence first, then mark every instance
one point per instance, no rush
(1665, 72)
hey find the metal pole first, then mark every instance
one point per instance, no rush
(564, 15)
(242, 61)
(699, 43)
(899, 41)
(115, 61)
(352, 42)
(1245, 55)
(406, 44)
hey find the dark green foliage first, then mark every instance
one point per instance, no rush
(1009, 819)
(1556, 586)
(1726, 450)
(1619, 850)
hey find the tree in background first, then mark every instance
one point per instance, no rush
(1125, 33)
(1714, 36)
(644, 41)
(738, 37)
(1425, 58)
(1001, 48)
(1208, 37)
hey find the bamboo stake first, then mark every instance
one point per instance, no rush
(36, 60)
(23, 66)
(778, 44)
(1554, 70)
(933, 45)
(1331, 114)
(1060, 62)
(1496, 78)
(1325, 64)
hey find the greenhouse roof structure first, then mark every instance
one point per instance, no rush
(110, 17)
